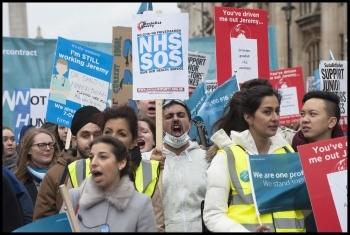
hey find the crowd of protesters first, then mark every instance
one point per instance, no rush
(119, 181)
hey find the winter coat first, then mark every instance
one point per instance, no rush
(49, 200)
(215, 209)
(123, 210)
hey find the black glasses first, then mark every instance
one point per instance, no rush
(43, 146)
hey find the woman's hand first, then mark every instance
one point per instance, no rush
(262, 229)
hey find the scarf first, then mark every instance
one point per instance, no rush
(299, 138)
(11, 162)
(36, 173)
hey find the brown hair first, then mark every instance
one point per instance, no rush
(24, 159)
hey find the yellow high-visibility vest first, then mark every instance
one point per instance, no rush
(147, 174)
(241, 206)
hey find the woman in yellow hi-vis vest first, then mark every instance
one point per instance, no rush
(251, 118)
(122, 123)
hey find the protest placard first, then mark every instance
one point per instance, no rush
(80, 77)
(290, 84)
(325, 168)
(241, 42)
(160, 56)
(334, 78)
(278, 182)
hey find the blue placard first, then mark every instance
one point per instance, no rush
(53, 223)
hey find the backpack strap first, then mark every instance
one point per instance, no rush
(65, 171)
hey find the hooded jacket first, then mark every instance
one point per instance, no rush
(184, 186)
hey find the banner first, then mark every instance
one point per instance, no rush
(194, 103)
(241, 42)
(214, 105)
(278, 182)
(30, 109)
(325, 166)
(160, 56)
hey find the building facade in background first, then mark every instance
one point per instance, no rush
(315, 29)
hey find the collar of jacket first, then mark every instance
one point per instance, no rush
(91, 194)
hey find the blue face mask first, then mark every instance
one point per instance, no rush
(176, 142)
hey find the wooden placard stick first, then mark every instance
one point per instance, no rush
(68, 140)
(69, 207)
(159, 128)
(159, 135)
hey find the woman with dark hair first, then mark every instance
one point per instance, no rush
(248, 126)
(146, 135)
(108, 201)
(121, 123)
(9, 153)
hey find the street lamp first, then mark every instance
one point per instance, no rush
(205, 14)
(288, 11)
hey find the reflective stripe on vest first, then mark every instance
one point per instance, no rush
(242, 209)
(146, 178)
(78, 170)
(147, 175)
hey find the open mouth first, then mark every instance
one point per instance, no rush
(96, 173)
(141, 143)
(177, 130)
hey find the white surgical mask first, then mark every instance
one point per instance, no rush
(176, 142)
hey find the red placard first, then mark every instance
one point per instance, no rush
(236, 23)
(291, 98)
(318, 160)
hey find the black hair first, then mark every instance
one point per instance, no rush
(331, 102)
(168, 103)
(245, 101)
(119, 150)
(126, 112)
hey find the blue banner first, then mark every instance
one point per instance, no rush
(214, 105)
(278, 182)
(197, 98)
(194, 103)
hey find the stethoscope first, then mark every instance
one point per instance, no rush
(64, 79)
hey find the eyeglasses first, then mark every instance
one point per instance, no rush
(180, 102)
(43, 146)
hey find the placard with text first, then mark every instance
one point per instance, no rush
(325, 166)
(160, 56)
(241, 41)
(198, 65)
(278, 182)
(80, 77)
(334, 78)
(290, 84)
